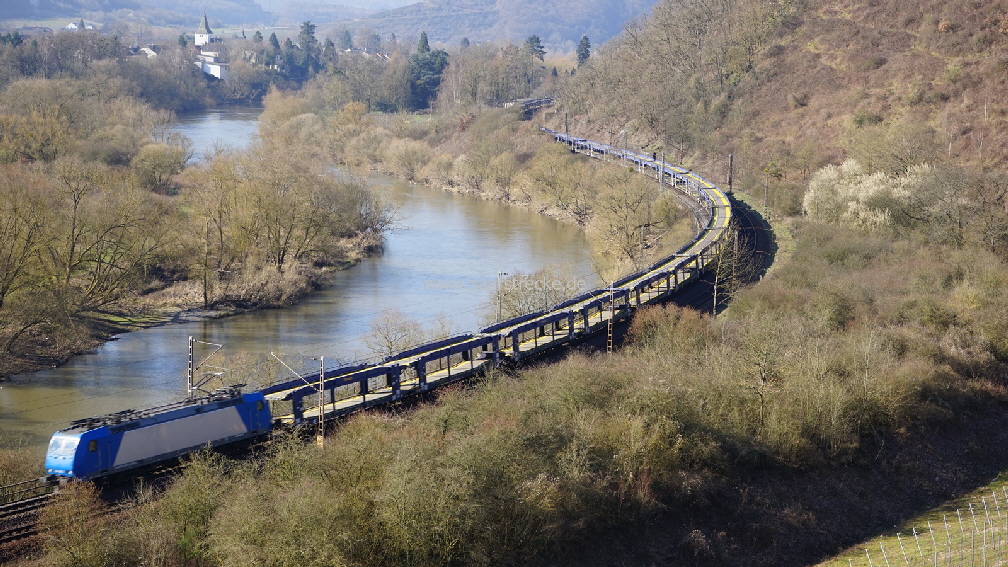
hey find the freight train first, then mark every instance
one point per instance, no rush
(125, 441)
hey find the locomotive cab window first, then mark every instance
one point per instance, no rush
(92, 446)
(63, 445)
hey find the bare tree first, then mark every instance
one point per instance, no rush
(21, 226)
(622, 214)
(734, 265)
(392, 332)
(521, 294)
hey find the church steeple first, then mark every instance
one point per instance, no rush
(204, 26)
(204, 34)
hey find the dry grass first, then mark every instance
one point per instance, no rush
(18, 461)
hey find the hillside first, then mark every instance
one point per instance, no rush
(890, 83)
(183, 14)
(560, 23)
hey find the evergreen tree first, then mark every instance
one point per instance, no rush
(346, 40)
(80, 26)
(306, 39)
(289, 67)
(425, 75)
(13, 39)
(534, 46)
(274, 42)
(183, 40)
(583, 50)
(257, 38)
(422, 45)
(307, 60)
(329, 55)
(464, 42)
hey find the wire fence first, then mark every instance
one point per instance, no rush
(969, 532)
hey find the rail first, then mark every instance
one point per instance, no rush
(422, 368)
(25, 490)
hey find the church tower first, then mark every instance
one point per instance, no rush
(203, 35)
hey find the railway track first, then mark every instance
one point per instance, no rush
(19, 519)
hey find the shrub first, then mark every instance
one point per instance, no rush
(862, 118)
(798, 101)
(440, 169)
(407, 157)
(188, 507)
(76, 529)
(366, 148)
(155, 164)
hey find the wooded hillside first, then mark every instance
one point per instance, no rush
(560, 23)
(790, 86)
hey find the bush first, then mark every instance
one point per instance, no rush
(366, 148)
(440, 169)
(155, 164)
(76, 528)
(862, 119)
(407, 157)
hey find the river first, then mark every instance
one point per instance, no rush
(443, 258)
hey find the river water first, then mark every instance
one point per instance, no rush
(443, 259)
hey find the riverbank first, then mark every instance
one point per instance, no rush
(173, 303)
(628, 218)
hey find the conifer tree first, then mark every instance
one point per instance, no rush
(583, 50)
(534, 46)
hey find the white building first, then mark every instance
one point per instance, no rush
(209, 61)
(204, 34)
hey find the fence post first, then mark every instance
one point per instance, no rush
(934, 544)
(962, 538)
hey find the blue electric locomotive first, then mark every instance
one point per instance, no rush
(101, 446)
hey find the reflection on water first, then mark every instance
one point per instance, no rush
(225, 127)
(443, 259)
